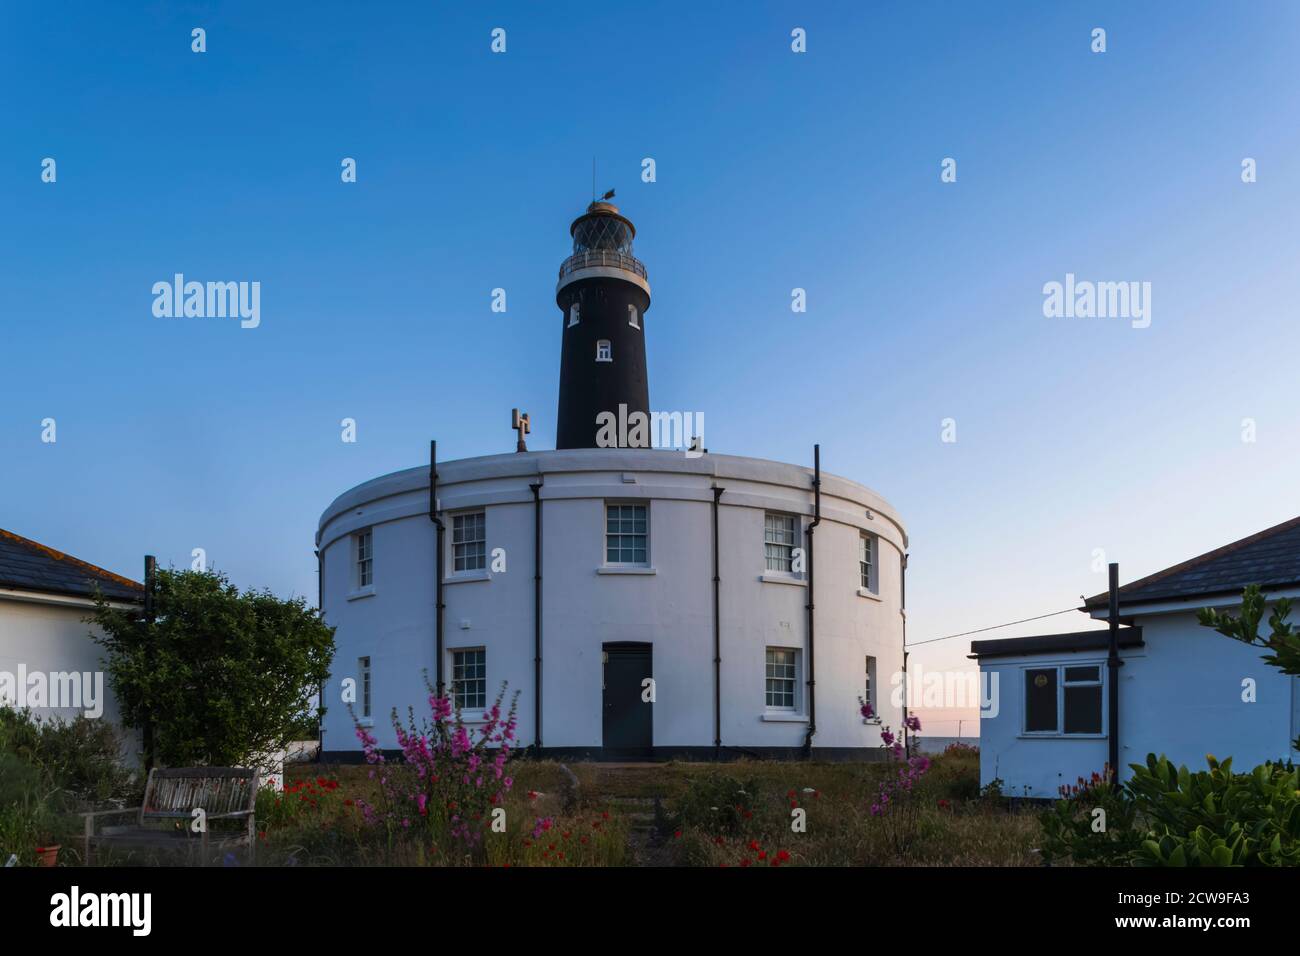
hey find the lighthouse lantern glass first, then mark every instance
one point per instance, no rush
(602, 233)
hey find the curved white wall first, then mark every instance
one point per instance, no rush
(582, 608)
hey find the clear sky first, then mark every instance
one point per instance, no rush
(775, 170)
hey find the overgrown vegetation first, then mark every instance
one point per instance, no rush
(50, 769)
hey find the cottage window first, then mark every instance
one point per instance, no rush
(778, 541)
(1063, 699)
(627, 535)
(469, 678)
(869, 697)
(782, 681)
(864, 561)
(469, 542)
(363, 668)
(365, 559)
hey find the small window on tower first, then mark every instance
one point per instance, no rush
(603, 351)
(633, 319)
(573, 315)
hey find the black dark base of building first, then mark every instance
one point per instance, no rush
(661, 754)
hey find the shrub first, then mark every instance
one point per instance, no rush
(1167, 816)
(220, 678)
(81, 757)
(1216, 817)
(1093, 824)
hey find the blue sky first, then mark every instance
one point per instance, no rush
(775, 171)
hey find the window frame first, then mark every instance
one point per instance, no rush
(363, 559)
(606, 533)
(871, 684)
(366, 680)
(1060, 667)
(456, 558)
(796, 672)
(575, 314)
(869, 580)
(607, 347)
(633, 316)
(796, 526)
(457, 693)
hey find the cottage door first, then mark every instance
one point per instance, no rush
(628, 724)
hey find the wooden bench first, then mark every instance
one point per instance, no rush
(171, 797)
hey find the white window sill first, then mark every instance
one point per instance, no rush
(873, 721)
(782, 577)
(624, 569)
(869, 595)
(459, 577)
(359, 593)
(365, 721)
(784, 717)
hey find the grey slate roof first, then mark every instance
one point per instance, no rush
(28, 566)
(1270, 558)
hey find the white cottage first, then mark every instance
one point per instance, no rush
(1184, 690)
(48, 659)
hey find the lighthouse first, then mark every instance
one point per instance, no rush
(603, 295)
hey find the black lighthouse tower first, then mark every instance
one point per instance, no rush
(603, 295)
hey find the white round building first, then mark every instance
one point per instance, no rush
(643, 602)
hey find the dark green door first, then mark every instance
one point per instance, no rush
(628, 718)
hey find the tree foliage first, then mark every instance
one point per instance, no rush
(221, 676)
(1282, 642)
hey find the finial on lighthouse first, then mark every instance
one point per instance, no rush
(520, 424)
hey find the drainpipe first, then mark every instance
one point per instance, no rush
(907, 743)
(812, 643)
(320, 691)
(435, 517)
(1113, 664)
(150, 615)
(537, 614)
(717, 636)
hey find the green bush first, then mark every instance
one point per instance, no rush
(1216, 817)
(1167, 816)
(80, 757)
(1075, 830)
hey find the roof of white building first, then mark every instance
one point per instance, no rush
(1269, 558)
(26, 565)
(529, 465)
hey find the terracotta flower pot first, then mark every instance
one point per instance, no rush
(48, 855)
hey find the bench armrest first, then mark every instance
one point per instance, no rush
(230, 816)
